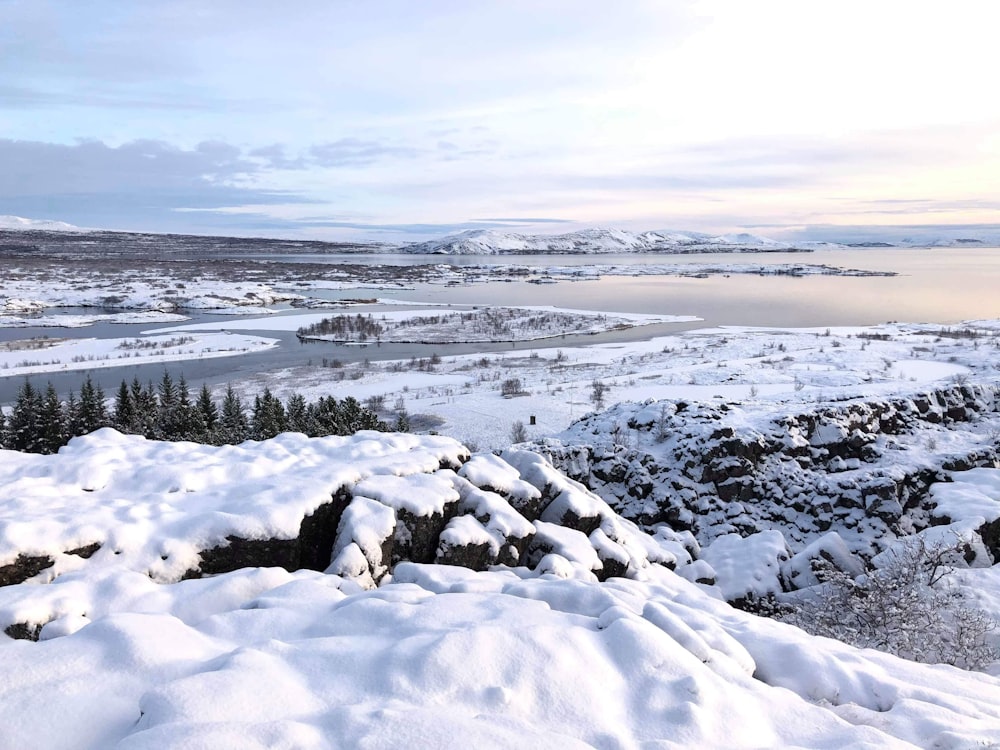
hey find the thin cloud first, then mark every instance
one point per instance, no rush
(135, 184)
(355, 152)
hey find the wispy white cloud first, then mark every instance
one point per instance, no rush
(696, 113)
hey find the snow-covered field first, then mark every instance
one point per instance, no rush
(45, 355)
(768, 369)
(444, 326)
(82, 321)
(27, 290)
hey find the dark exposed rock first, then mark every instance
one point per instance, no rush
(472, 556)
(244, 553)
(842, 466)
(318, 531)
(529, 507)
(310, 549)
(23, 631)
(417, 536)
(612, 567)
(990, 533)
(23, 568)
(86, 552)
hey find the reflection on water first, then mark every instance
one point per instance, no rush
(942, 285)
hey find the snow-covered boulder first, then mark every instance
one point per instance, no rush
(862, 468)
(352, 506)
(829, 552)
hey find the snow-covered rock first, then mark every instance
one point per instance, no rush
(837, 484)
(41, 225)
(353, 506)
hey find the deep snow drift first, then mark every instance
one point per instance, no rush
(539, 650)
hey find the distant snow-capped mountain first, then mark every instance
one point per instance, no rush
(948, 242)
(599, 241)
(44, 225)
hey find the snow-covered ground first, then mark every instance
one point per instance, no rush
(767, 369)
(437, 656)
(447, 326)
(82, 321)
(26, 290)
(48, 355)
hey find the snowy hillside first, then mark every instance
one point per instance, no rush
(512, 606)
(984, 240)
(597, 241)
(43, 225)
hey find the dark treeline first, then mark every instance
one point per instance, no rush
(41, 422)
(347, 327)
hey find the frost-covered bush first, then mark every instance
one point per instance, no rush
(518, 432)
(511, 387)
(906, 606)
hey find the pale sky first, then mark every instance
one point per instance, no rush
(399, 120)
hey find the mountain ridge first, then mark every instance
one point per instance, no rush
(486, 241)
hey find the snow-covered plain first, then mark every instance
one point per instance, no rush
(82, 321)
(27, 289)
(432, 324)
(441, 656)
(47, 355)
(767, 369)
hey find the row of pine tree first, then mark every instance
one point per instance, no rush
(42, 422)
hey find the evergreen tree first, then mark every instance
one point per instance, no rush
(147, 409)
(268, 416)
(51, 422)
(39, 422)
(185, 422)
(164, 427)
(93, 411)
(325, 414)
(124, 418)
(73, 416)
(357, 417)
(234, 427)
(297, 416)
(332, 417)
(24, 428)
(207, 409)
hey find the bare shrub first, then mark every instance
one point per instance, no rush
(906, 607)
(511, 387)
(518, 432)
(597, 391)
